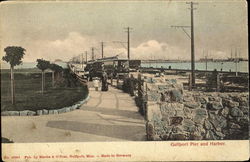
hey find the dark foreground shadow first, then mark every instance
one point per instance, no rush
(125, 132)
(6, 140)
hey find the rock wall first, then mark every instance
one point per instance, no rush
(175, 114)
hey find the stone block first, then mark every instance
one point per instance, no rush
(23, 113)
(45, 112)
(51, 112)
(39, 112)
(188, 113)
(207, 125)
(236, 112)
(176, 95)
(67, 109)
(210, 135)
(178, 136)
(214, 105)
(244, 109)
(229, 103)
(176, 120)
(150, 80)
(200, 115)
(219, 122)
(56, 112)
(162, 87)
(219, 134)
(192, 105)
(170, 109)
(201, 99)
(188, 125)
(180, 113)
(232, 125)
(62, 110)
(214, 97)
(153, 96)
(10, 113)
(150, 131)
(72, 108)
(225, 112)
(27, 113)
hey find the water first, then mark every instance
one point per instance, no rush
(225, 66)
(28, 65)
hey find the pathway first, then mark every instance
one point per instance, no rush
(107, 116)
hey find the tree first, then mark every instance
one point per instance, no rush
(55, 69)
(42, 65)
(14, 55)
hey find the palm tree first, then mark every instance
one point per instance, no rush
(42, 65)
(14, 55)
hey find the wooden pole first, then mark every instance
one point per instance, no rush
(192, 47)
(12, 85)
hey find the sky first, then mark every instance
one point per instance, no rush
(61, 30)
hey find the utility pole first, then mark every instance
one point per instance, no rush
(93, 56)
(206, 60)
(236, 62)
(192, 45)
(231, 54)
(205, 57)
(128, 31)
(191, 36)
(86, 56)
(82, 60)
(102, 49)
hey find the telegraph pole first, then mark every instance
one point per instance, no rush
(86, 55)
(191, 36)
(93, 56)
(206, 59)
(82, 60)
(192, 44)
(102, 49)
(236, 62)
(128, 31)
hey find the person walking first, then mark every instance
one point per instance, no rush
(104, 81)
(96, 83)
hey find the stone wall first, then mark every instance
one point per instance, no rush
(175, 114)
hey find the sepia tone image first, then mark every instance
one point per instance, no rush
(105, 71)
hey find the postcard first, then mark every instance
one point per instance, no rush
(106, 80)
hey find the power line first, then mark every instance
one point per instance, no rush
(121, 43)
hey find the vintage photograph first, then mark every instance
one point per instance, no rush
(109, 71)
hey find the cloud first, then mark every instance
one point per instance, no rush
(75, 44)
(153, 49)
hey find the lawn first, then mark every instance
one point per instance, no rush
(28, 92)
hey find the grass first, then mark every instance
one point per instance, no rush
(29, 96)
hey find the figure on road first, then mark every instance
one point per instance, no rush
(104, 81)
(96, 83)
